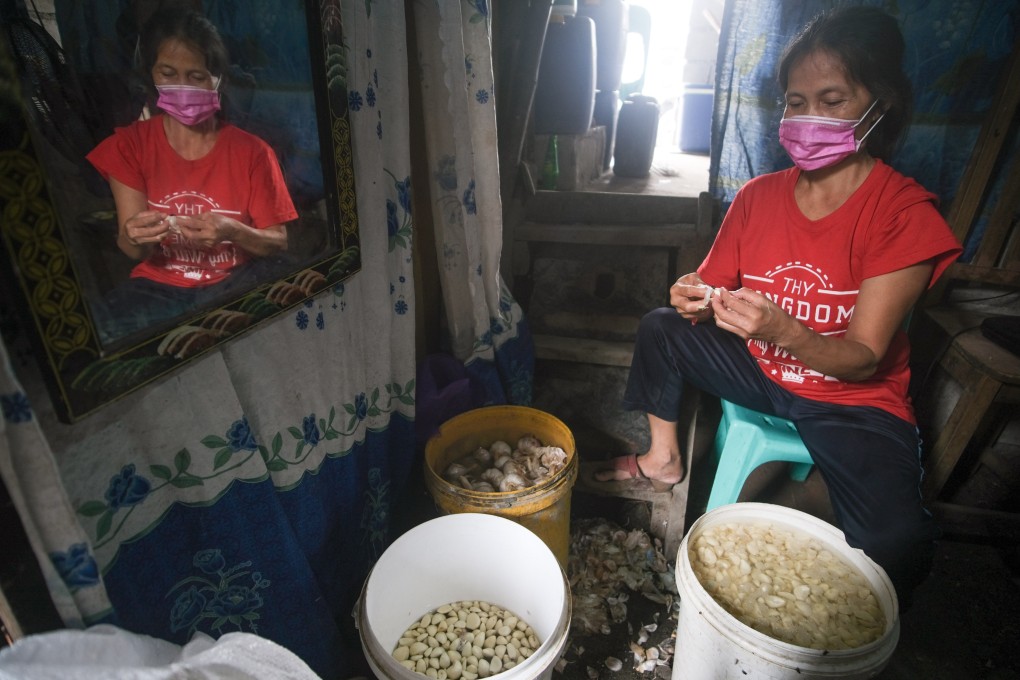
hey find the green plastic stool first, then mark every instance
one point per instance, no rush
(746, 439)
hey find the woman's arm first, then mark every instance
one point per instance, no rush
(139, 229)
(882, 304)
(211, 228)
(260, 242)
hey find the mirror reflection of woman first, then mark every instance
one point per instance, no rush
(201, 204)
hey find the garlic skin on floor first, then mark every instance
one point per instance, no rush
(500, 468)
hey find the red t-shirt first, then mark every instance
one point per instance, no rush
(813, 269)
(240, 178)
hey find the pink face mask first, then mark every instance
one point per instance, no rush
(188, 104)
(815, 142)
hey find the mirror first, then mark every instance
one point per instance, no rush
(286, 84)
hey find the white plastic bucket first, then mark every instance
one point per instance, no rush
(465, 556)
(713, 645)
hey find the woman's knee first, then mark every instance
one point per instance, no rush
(657, 316)
(662, 320)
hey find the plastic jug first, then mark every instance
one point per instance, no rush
(636, 130)
(565, 92)
(611, 19)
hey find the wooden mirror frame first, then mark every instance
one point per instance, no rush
(82, 373)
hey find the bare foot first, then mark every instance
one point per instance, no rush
(671, 471)
(645, 466)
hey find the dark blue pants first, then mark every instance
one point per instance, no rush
(870, 459)
(141, 304)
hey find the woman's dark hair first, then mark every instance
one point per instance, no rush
(180, 22)
(869, 44)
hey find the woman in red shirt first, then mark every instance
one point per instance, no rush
(798, 309)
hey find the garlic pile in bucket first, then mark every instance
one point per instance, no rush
(787, 585)
(500, 468)
(466, 640)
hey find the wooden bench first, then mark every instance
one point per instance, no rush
(679, 229)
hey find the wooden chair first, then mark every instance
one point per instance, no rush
(973, 383)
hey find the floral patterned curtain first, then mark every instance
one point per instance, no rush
(486, 327)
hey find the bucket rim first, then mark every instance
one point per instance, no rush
(487, 524)
(767, 512)
(541, 659)
(493, 408)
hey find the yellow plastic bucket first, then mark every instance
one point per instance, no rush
(544, 508)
